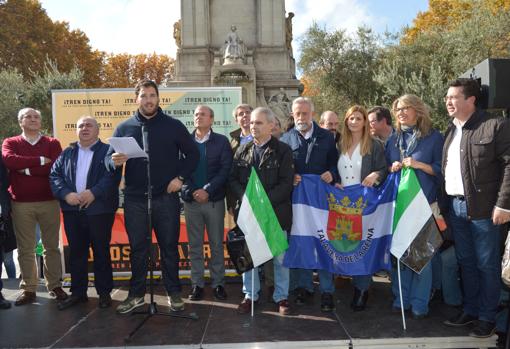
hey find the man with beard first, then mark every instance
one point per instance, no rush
(173, 157)
(314, 152)
(329, 121)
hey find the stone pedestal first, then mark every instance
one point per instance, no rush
(265, 69)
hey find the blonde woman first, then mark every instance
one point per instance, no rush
(361, 162)
(415, 144)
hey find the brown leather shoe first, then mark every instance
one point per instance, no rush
(26, 297)
(59, 294)
(245, 306)
(283, 307)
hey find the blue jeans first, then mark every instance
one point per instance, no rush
(281, 281)
(165, 221)
(303, 278)
(415, 288)
(446, 276)
(10, 267)
(437, 267)
(477, 249)
(362, 282)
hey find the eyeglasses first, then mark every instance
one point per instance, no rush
(244, 113)
(404, 109)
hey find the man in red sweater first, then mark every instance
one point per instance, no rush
(29, 157)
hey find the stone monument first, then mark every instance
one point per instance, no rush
(244, 43)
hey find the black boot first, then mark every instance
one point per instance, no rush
(359, 301)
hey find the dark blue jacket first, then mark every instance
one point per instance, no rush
(429, 150)
(315, 155)
(5, 199)
(102, 183)
(219, 160)
(168, 140)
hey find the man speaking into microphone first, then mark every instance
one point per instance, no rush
(173, 156)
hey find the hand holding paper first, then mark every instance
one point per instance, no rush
(127, 146)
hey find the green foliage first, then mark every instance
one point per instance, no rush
(17, 92)
(368, 70)
(339, 66)
(13, 91)
(29, 38)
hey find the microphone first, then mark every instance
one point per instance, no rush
(145, 138)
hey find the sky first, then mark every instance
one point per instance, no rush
(113, 25)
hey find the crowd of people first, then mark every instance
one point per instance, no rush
(464, 174)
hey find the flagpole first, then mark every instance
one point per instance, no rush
(252, 289)
(400, 293)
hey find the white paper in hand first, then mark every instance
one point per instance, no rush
(127, 146)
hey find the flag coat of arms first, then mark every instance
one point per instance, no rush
(345, 231)
(264, 235)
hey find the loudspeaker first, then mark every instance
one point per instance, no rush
(238, 250)
(493, 75)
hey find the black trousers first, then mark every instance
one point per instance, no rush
(83, 231)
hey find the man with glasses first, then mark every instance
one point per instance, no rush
(380, 123)
(29, 158)
(241, 114)
(476, 168)
(242, 135)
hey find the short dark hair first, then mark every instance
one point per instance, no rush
(381, 113)
(470, 87)
(145, 83)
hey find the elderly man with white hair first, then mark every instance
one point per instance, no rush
(272, 160)
(29, 158)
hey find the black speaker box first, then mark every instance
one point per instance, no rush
(494, 78)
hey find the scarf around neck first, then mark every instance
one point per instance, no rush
(413, 136)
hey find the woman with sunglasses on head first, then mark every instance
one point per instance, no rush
(417, 145)
(362, 162)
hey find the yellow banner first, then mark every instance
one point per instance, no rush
(112, 106)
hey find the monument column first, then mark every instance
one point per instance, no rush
(244, 43)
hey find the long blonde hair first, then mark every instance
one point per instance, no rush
(346, 140)
(423, 121)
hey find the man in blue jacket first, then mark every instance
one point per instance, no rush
(173, 157)
(204, 207)
(89, 197)
(314, 152)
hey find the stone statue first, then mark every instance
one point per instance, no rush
(234, 48)
(288, 31)
(280, 104)
(177, 33)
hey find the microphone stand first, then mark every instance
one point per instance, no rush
(152, 308)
